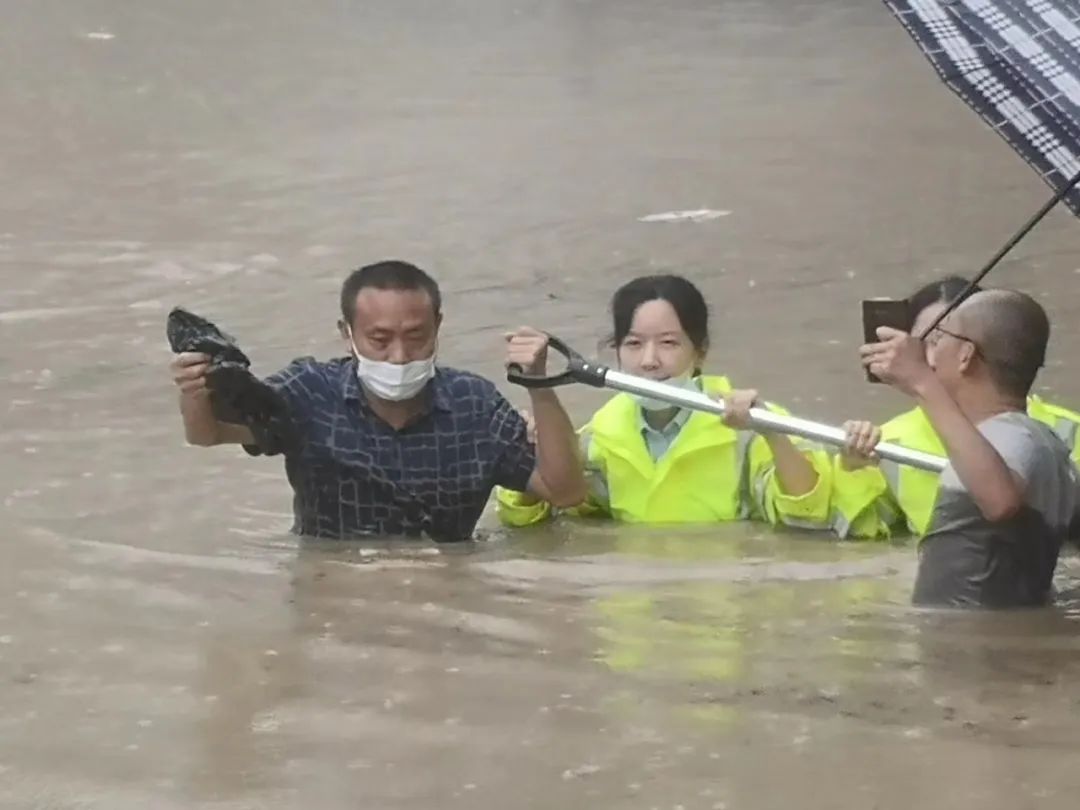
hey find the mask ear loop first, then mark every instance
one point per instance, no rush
(352, 341)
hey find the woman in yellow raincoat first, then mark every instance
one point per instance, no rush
(650, 462)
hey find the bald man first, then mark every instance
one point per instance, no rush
(1009, 491)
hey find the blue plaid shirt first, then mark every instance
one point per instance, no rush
(354, 475)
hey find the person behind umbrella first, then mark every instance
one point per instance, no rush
(1008, 491)
(875, 500)
(650, 462)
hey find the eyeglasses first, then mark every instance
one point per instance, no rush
(935, 336)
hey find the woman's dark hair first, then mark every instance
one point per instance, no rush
(684, 297)
(941, 291)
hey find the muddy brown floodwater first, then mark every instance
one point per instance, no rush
(165, 643)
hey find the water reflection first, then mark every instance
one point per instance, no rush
(845, 648)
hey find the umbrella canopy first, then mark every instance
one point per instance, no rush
(1017, 64)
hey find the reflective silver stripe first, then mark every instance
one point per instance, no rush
(760, 487)
(885, 512)
(585, 445)
(594, 475)
(742, 460)
(598, 487)
(1066, 431)
(840, 524)
(891, 471)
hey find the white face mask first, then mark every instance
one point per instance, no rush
(650, 404)
(393, 381)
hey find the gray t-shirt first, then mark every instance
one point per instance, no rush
(967, 561)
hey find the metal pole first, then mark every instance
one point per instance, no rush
(763, 419)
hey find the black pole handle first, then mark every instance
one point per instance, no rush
(1060, 195)
(578, 370)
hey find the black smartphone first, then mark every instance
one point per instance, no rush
(884, 312)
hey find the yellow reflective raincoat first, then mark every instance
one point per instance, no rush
(710, 473)
(874, 502)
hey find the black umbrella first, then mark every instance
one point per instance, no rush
(1017, 64)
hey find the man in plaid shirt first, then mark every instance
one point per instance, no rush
(389, 443)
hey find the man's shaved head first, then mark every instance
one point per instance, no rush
(1011, 331)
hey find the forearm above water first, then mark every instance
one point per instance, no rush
(201, 427)
(794, 472)
(980, 468)
(558, 462)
